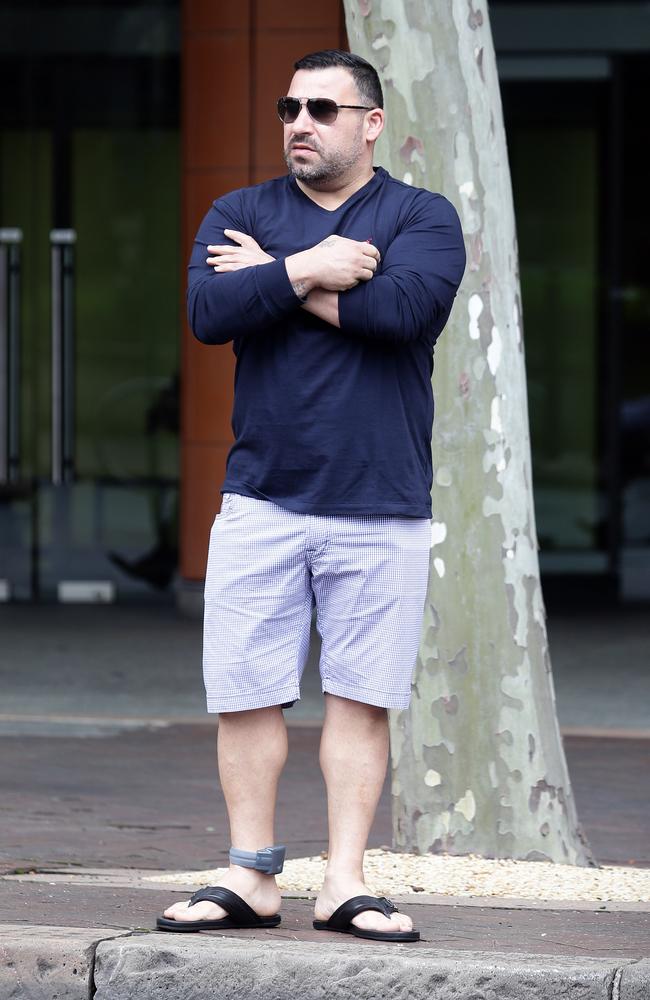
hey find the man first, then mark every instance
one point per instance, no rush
(333, 284)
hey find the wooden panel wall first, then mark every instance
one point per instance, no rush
(237, 59)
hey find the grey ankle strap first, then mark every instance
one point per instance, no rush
(269, 860)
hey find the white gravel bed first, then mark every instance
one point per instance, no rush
(390, 873)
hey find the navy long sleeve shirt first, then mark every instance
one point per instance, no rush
(327, 420)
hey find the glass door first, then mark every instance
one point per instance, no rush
(556, 138)
(633, 304)
(89, 307)
(25, 220)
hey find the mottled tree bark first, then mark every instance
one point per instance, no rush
(478, 763)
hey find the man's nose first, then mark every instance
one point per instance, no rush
(304, 121)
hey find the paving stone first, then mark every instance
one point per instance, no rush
(617, 936)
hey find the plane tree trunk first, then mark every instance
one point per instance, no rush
(478, 764)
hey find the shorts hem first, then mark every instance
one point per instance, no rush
(255, 699)
(382, 699)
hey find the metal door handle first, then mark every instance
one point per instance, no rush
(63, 336)
(10, 247)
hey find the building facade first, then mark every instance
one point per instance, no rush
(120, 122)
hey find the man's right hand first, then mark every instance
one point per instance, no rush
(335, 264)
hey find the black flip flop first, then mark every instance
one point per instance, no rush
(240, 914)
(341, 919)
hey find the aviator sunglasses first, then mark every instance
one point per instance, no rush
(321, 109)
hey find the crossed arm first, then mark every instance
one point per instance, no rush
(316, 275)
(410, 299)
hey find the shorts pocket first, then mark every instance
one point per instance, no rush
(227, 503)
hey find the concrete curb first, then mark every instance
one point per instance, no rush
(216, 968)
(634, 981)
(44, 963)
(70, 963)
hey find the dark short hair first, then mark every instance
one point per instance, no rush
(364, 75)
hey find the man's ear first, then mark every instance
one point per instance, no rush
(374, 124)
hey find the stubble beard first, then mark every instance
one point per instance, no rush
(329, 167)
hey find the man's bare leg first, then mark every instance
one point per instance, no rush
(251, 752)
(353, 757)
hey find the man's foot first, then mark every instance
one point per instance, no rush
(337, 889)
(255, 888)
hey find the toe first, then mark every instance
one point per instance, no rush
(400, 922)
(203, 910)
(372, 920)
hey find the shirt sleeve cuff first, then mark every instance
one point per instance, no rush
(275, 289)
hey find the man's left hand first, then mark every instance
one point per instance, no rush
(247, 254)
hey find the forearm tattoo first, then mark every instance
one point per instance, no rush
(300, 288)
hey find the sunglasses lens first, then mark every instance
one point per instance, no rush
(288, 109)
(322, 110)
